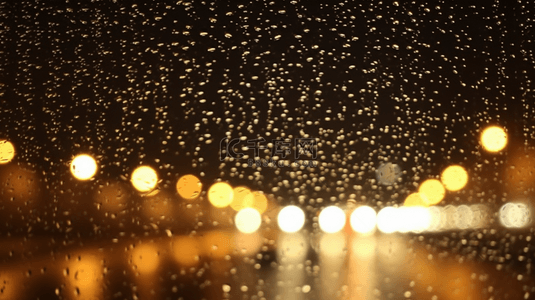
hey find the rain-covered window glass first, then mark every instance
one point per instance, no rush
(267, 149)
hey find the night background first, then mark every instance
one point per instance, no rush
(161, 84)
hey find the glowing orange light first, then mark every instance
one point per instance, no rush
(220, 194)
(145, 258)
(494, 139)
(432, 191)
(415, 199)
(7, 151)
(260, 201)
(144, 179)
(454, 178)
(242, 198)
(189, 187)
(186, 250)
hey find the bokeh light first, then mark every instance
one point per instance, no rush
(242, 198)
(83, 167)
(454, 178)
(412, 219)
(7, 151)
(144, 179)
(87, 272)
(189, 187)
(415, 199)
(515, 215)
(494, 139)
(260, 201)
(186, 250)
(291, 219)
(433, 191)
(363, 219)
(145, 258)
(216, 244)
(332, 219)
(220, 194)
(248, 220)
(387, 220)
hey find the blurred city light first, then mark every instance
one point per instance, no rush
(145, 258)
(413, 219)
(83, 167)
(291, 219)
(240, 199)
(189, 187)
(387, 220)
(515, 215)
(248, 220)
(432, 191)
(85, 276)
(144, 179)
(259, 201)
(494, 139)
(363, 219)
(332, 219)
(415, 199)
(220, 194)
(186, 250)
(454, 178)
(7, 151)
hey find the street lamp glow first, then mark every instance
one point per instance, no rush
(83, 167)
(7, 151)
(144, 179)
(291, 219)
(433, 191)
(494, 139)
(332, 219)
(387, 220)
(363, 219)
(220, 194)
(454, 178)
(189, 187)
(248, 220)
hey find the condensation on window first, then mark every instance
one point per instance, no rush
(267, 150)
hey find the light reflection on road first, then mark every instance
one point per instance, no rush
(298, 266)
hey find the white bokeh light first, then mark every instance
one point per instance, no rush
(363, 219)
(291, 219)
(332, 219)
(83, 167)
(515, 215)
(248, 220)
(387, 220)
